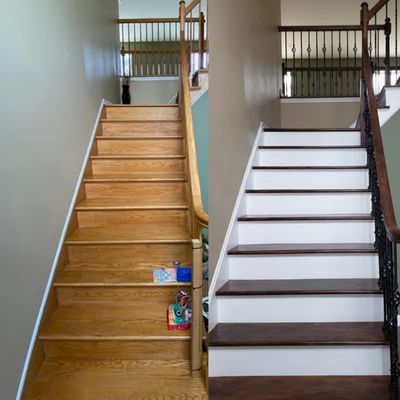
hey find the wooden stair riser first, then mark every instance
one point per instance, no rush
(312, 157)
(357, 203)
(140, 190)
(153, 301)
(299, 308)
(114, 349)
(306, 232)
(137, 147)
(143, 113)
(130, 218)
(305, 361)
(141, 128)
(129, 253)
(284, 138)
(138, 166)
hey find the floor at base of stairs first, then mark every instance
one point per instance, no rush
(117, 380)
(300, 388)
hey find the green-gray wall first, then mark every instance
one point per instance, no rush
(391, 140)
(200, 120)
(58, 63)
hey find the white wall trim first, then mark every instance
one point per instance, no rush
(313, 100)
(58, 252)
(233, 220)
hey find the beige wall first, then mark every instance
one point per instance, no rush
(58, 62)
(244, 85)
(297, 114)
(153, 91)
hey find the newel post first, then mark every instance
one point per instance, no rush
(197, 314)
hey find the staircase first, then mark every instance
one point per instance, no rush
(296, 308)
(104, 334)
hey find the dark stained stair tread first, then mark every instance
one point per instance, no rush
(333, 147)
(300, 388)
(313, 167)
(311, 130)
(299, 287)
(303, 248)
(298, 334)
(305, 217)
(308, 191)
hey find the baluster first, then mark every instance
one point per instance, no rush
(347, 65)
(286, 57)
(376, 63)
(324, 49)
(140, 47)
(388, 31)
(301, 64)
(355, 49)
(340, 65)
(134, 55)
(316, 83)
(294, 66)
(309, 65)
(332, 66)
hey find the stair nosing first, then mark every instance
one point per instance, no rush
(122, 242)
(141, 157)
(153, 180)
(309, 167)
(90, 338)
(306, 130)
(140, 137)
(106, 120)
(333, 147)
(121, 285)
(306, 217)
(307, 191)
(129, 208)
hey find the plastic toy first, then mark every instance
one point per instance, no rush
(179, 314)
(164, 275)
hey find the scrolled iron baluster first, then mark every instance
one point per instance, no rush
(309, 65)
(294, 65)
(324, 50)
(388, 31)
(340, 75)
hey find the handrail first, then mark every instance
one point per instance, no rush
(201, 215)
(192, 6)
(153, 20)
(389, 216)
(322, 28)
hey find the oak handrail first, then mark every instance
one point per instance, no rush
(191, 6)
(153, 20)
(200, 214)
(389, 216)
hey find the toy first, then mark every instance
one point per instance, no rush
(184, 274)
(164, 275)
(179, 314)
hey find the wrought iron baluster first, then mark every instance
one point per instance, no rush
(294, 66)
(331, 83)
(301, 64)
(347, 65)
(339, 79)
(355, 50)
(388, 31)
(317, 72)
(324, 49)
(309, 65)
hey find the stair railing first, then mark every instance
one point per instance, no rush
(387, 233)
(199, 216)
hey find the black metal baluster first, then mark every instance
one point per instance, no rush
(286, 60)
(301, 64)
(340, 65)
(355, 82)
(317, 73)
(294, 66)
(331, 86)
(388, 31)
(309, 66)
(347, 65)
(324, 49)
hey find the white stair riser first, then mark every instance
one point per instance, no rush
(296, 308)
(306, 232)
(316, 266)
(298, 361)
(272, 204)
(311, 139)
(309, 179)
(304, 157)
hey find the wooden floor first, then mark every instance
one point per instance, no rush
(104, 335)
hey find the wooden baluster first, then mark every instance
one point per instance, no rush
(140, 47)
(129, 50)
(201, 39)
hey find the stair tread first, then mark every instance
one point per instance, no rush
(311, 130)
(332, 147)
(307, 191)
(131, 204)
(140, 157)
(297, 334)
(116, 379)
(313, 167)
(142, 177)
(170, 233)
(139, 137)
(307, 217)
(305, 248)
(110, 322)
(102, 276)
(300, 388)
(150, 121)
(299, 287)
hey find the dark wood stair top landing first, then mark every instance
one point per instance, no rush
(300, 388)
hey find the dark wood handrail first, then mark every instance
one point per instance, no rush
(375, 9)
(322, 28)
(389, 216)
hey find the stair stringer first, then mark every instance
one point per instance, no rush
(231, 238)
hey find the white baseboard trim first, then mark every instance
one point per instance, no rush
(233, 220)
(57, 255)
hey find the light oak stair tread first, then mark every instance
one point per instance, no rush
(142, 121)
(139, 137)
(141, 157)
(142, 177)
(299, 287)
(116, 380)
(298, 334)
(303, 248)
(306, 217)
(300, 388)
(122, 203)
(115, 105)
(77, 276)
(102, 321)
(139, 233)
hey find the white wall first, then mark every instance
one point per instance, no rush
(57, 63)
(245, 70)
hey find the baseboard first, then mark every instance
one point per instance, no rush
(57, 255)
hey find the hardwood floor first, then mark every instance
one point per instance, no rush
(104, 334)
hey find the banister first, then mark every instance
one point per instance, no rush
(153, 20)
(327, 28)
(375, 9)
(192, 6)
(389, 216)
(200, 214)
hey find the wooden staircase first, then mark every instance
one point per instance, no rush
(296, 308)
(104, 334)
